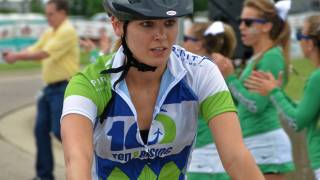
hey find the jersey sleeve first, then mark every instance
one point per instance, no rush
(214, 95)
(254, 102)
(306, 111)
(88, 92)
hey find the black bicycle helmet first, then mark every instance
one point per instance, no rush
(127, 10)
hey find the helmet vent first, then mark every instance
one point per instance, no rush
(134, 1)
(166, 3)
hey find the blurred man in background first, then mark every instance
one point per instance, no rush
(58, 51)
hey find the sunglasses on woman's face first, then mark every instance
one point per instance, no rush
(300, 36)
(249, 21)
(189, 38)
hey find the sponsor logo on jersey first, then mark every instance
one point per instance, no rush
(163, 132)
(189, 58)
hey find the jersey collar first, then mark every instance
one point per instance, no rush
(174, 64)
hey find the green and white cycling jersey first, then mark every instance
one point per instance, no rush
(186, 89)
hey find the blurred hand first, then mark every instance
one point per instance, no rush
(9, 57)
(262, 82)
(87, 44)
(225, 65)
(105, 44)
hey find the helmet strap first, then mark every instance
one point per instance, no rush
(130, 61)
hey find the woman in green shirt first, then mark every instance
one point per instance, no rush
(205, 38)
(306, 114)
(263, 27)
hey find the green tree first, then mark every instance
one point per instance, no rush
(200, 5)
(85, 7)
(36, 6)
(94, 7)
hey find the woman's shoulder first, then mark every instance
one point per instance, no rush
(275, 51)
(190, 61)
(273, 55)
(315, 75)
(101, 63)
(92, 72)
(91, 83)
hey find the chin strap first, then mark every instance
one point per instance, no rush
(129, 62)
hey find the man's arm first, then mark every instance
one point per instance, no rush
(12, 57)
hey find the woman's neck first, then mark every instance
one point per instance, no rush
(315, 58)
(262, 46)
(148, 78)
(202, 52)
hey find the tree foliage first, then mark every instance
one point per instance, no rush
(200, 5)
(36, 6)
(85, 7)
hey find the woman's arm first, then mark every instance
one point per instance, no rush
(297, 115)
(76, 133)
(235, 157)
(253, 102)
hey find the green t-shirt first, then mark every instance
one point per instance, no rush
(306, 114)
(204, 136)
(256, 113)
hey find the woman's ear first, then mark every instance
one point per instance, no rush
(198, 45)
(267, 27)
(117, 26)
(310, 44)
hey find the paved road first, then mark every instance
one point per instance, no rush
(17, 149)
(18, 89)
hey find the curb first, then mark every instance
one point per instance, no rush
(16, 128)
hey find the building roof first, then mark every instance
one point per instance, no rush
(299, 6)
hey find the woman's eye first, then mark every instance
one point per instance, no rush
(146, 24)
(170, 22)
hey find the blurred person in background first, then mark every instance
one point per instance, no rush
(204, 39)
(97, 46)
(58, 51)
(263, 27)
(306, 113)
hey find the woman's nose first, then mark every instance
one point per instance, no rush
(160, 34)
(241, 25)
